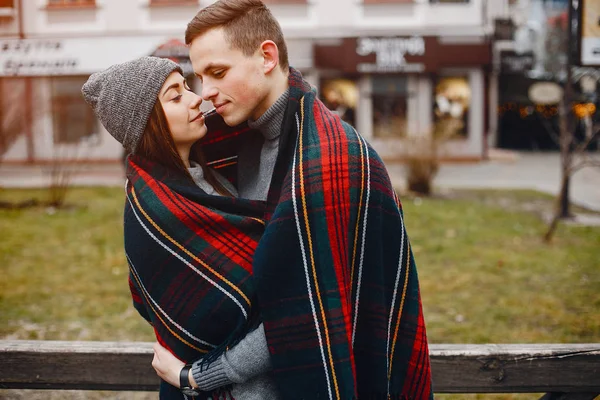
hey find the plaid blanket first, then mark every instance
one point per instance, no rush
(190, 259)
(325, 260)
(336, 280)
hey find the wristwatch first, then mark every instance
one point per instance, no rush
(184, 382)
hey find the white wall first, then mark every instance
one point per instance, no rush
(364, 115)
(320, 18)
(134, 21)
(473, 144)
(38, 20)
(464, 16)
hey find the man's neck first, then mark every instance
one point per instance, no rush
(269, 124)
(280, 85)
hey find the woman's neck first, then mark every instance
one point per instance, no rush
(184, 153)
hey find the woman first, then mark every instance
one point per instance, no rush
(188, 241)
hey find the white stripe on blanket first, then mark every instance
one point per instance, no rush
(364, 233)
(175, 254)
(303, 250)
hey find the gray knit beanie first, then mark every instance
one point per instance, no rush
(123, 96)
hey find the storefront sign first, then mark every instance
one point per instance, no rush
(82, 56)
(514, 63)
(390, 54)
(35, 57)
(394, 54)
(590, 32)
(545, 93)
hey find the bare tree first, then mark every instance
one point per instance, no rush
(61, 169)
(573, 156)
(424, 153)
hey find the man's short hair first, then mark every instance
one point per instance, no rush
(246, 23)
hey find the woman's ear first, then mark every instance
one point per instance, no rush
(270, 54)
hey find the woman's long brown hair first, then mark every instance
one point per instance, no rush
(157, 145)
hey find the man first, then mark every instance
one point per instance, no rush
(336, 281)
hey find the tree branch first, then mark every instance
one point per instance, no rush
(586, 143)
(583, 164)
(551, 131)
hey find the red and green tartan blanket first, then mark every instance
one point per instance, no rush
(325, 263)
(190, 259)
(336, 279)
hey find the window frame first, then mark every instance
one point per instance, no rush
(70, 4)
(285, 2)
(172, 3)
(61, 103)
(388, 1)
(10, 6)
(449, 1)
(8, 10)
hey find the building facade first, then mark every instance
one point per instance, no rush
(531, 58)
(394, 68)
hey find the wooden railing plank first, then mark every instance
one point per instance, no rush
(513, 368)
(569, 396)
(510, 368)
(77, 365)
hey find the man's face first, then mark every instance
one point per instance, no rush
(234, 83)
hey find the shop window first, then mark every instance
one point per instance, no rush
(71, 3)
(73, 120)
(341, 97)
(7, 3)
(452, 98)
(389, 96)
(12, 104)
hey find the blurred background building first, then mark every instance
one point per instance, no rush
(393, 68)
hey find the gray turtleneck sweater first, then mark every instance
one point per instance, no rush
(257, 157)
(198, 175)
(247, 364)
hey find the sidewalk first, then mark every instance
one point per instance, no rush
(541, 172)
(536, 171)
(32, 176)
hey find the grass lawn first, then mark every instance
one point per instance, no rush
(64, 271)
(486, 276)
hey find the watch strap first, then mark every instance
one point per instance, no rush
(184, 377)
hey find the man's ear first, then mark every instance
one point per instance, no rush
(270, 54)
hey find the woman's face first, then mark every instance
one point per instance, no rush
(182, 110)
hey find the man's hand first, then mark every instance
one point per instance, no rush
(167, 366)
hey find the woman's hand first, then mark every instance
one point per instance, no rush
(167, 366)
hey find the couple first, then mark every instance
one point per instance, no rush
(266, 244)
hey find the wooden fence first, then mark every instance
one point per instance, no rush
(562, 371)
